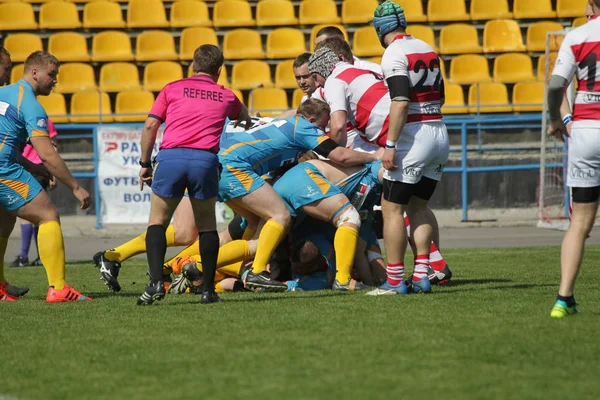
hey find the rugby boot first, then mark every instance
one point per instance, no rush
(154, 292)
(36, 263)
(439, 277)
(209, 297)
(19, 262)
(4, 296)
(264, 281)
(351, 285)
(561, 309)
(389, 289)
(421, 286)
(180, 285)
(109, 271)
(67, 294)
(13, 291)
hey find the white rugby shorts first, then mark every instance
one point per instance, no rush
(422, 150)
(584, 158)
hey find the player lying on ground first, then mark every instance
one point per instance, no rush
(22, 118)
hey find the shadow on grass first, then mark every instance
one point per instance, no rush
(104, 295)
(270, 297)
(458, 282)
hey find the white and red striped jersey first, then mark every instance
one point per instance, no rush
(318, 94)
(365, 98)
(366, 64)
(415, 59)
(580, 54)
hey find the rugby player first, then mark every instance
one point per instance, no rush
(416, 146)
(22, 118)
(335, 32)
(578, 56)
(195, 110)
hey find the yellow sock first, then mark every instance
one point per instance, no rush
(233, 252)
(344, 243)
(232, 270)
(248, 233)
(3, 244)
(270, 236)
(52, 253)
(191, 251)
(136, 246)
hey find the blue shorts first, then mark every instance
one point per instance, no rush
(303, 185)
(179, 169)
(237, 179)
(17, 186)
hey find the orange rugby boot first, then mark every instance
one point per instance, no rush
(67, 294)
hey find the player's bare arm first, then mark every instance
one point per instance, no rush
(556, 94)
(399, 92)
(148, 139)
(337, 126)
(244, 117)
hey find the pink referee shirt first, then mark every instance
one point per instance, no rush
(195, 110)
(29, 152)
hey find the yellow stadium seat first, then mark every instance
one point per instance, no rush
(284, 75)
(314, 12)
(570, 8)
(528, 97)
(75, 77)
(454, 100)
(459, 39)
(442, 68)
(242, 44)
(90, 107)
(146, 14)
(16, 73)
(69, 46)
(133, 106)
(502, 35)
(189, 13)
(155, 45)
(232, 13)
(297, 97)
(469, 68)
(487, 9)
(423, 32)
(447, 10)
(376, 60)
(488, 98)
(358, 11)
(111, 46)
(534, 9)
(285, 43)
(513, 67)
(119, 76)
(275, 12)
(268, 101)
(238, 94)
(366, 43)
(158, 73)
(541, 66)
(192, 38)
(579, 21)
(17, 16)
(59, 15)
(315, 29)
(413, 10)
(536, 35)
(55, 106)
(103, 14)
(250, 74)
(21, 45)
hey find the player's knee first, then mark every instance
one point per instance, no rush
(47, 214)
(185, 236)
(348, 216)
(283, 217)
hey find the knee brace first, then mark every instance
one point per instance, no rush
(347, 215)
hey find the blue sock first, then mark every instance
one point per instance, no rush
(26, 234)
(570, 300)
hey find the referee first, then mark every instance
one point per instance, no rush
(194, 110)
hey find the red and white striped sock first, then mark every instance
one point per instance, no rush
(395, 273)
(421, 264)
(436, 260)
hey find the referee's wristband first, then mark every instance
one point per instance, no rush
(567, 119)
(390, 144)
(145, 164)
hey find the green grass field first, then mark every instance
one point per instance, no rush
(488, 335)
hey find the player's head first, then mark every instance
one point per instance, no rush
(208, 60)
(340, 47)
(328, 32)
(321, 63)
(5, 66)
(315, 111)
(593, 8)
(388, 20)
(304, 79)
(305, 257)
(41, 71)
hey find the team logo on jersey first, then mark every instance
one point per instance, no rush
(42, 123)
(11, 199)
(310, 191)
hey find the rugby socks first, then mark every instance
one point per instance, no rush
(233, 270)
(395, 273)
(3, 244)
(248, 233)
(136, 246)
(344, 243)
(156, 243)
(209, 252)
(436, 260)
(570, 300)
(270, 236)
(52, 253)
(421, 264)
(26, 236)
(190, 251)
